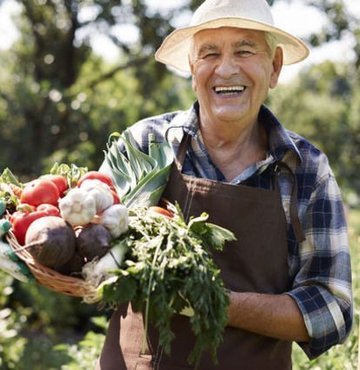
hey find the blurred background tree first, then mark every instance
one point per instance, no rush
(322, 102)
(60, 100)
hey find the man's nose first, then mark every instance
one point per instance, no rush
(227, 66)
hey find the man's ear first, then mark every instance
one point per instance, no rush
(277, 64)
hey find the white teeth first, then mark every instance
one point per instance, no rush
(229, 89)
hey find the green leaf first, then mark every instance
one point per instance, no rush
(218, 236)
(71, 172)
(197, 224)
(161, 152)
(213, 235)
(9, 178)
(123, 291)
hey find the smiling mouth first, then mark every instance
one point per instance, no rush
(229, 90)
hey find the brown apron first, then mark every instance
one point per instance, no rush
(256, 262)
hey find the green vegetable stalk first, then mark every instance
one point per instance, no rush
(168, 267)
(139, 178)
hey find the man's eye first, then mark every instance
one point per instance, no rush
(245, 53)
(210, 55)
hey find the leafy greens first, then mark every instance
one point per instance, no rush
(169, 267)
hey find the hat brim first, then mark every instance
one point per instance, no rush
(174, 51)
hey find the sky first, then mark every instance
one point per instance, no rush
(295, 18)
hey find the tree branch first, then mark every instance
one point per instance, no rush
(132, 63)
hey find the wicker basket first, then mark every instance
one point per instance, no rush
(51, 279)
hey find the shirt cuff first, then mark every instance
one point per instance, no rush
(327, 323)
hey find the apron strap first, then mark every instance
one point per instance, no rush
(181, 153)
(180, 156)
(294, 215)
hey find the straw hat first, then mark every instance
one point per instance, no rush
(248, 14)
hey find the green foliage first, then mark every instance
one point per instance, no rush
(42, 330)
(11, 324)
(61, 99)
(81, 356)
(321, 105)
(170, 261)
(342, 357)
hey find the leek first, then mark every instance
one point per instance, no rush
(139, 178)
(99, 269)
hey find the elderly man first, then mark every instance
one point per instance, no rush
(289, 271)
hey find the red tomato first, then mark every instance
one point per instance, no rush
(40, 191)
(50, 209)
(21, 221)
(161, 211)
(96, 175)
(60, 182)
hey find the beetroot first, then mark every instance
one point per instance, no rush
(73, 266)
(93, 241)
(51, 241)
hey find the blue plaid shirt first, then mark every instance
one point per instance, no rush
(319, 266)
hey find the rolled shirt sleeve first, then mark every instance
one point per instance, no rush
(322, 285)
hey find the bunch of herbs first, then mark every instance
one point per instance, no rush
(169, 267)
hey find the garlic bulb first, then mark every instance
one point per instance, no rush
(78, 207)
(100, 191)
(115, 219)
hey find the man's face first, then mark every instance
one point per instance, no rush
(232, 71)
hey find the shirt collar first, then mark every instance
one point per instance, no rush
(280, 141)
(192, 124)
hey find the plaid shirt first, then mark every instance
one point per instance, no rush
(319, 267)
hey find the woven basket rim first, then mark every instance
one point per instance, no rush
(49, 278)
